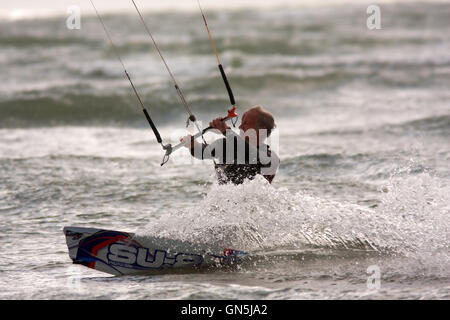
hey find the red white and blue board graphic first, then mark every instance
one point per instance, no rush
(121, 253)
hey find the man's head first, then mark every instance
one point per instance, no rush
(256, 118)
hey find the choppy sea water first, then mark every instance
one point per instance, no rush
(363, 123)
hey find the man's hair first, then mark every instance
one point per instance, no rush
(265, 118)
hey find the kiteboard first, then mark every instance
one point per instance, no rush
(122, 253)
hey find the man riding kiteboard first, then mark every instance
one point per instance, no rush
(242, 156)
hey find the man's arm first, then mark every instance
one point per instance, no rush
(202, 151)
(270, 171)
(205, 151)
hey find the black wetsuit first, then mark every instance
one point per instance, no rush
(242, 162)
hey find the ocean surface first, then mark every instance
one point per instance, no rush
(363, 127)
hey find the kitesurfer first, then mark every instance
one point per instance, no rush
(242, 156)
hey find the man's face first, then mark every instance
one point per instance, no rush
(249, 121)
